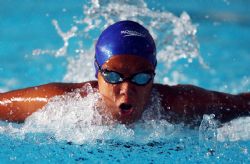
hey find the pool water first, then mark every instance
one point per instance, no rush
(204, 43)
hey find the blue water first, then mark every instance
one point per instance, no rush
(218, 59)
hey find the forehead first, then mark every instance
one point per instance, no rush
(127, 63)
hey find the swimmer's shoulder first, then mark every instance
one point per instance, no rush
(71, 87)
(49, 90)
(165, 89)
(171, 92)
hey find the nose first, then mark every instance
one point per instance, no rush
(126, 88)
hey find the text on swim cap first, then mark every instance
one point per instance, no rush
(126, 33)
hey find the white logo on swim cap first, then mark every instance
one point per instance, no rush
(132, 33)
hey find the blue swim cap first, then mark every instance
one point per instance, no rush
(125, 37)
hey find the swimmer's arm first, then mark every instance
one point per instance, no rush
(191, 103)
(19, 104)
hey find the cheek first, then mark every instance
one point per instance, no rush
(107, 90)
(147, 94)
(144, 94)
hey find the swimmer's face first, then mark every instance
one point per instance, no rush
(125, 101)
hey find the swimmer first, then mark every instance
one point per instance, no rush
(125, 62)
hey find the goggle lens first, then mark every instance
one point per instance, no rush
(112, 77)
(142, 78)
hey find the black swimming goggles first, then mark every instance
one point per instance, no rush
(113, 77)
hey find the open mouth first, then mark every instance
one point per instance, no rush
(126, 109)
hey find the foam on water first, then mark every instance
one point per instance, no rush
(72, 118)
(235, 130)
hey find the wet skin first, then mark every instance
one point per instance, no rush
(181, 103)
(126, 94)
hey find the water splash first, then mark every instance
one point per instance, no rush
(69, 117)
(80, 68)
(175, 36)
(65, 116)
(235, 130)
(72, 118)
(65, 37)
(208, 134)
